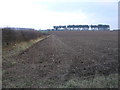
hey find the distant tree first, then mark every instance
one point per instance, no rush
(106, 27)
(94, 27)
(101, 27)
(85, 27)
(55, 28)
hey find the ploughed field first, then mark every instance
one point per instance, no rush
(63, 56)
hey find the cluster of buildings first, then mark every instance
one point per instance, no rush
(82, 27)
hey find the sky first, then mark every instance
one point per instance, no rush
(44, 14)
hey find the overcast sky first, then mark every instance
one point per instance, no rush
(44, 14)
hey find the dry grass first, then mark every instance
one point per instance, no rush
(16, 49)
(19, 47)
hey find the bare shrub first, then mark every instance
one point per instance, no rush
(10, 36)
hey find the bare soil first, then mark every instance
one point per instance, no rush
(62, 56)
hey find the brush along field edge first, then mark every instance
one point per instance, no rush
(21, 47)
(0, 59)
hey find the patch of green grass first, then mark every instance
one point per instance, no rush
(44, 31)
(110, 81)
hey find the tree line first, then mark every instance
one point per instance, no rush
(82, 27)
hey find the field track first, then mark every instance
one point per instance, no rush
(62, 56)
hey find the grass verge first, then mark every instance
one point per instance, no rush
(110, 81)
(19, 47)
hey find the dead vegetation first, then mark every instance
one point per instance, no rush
(10, 37)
